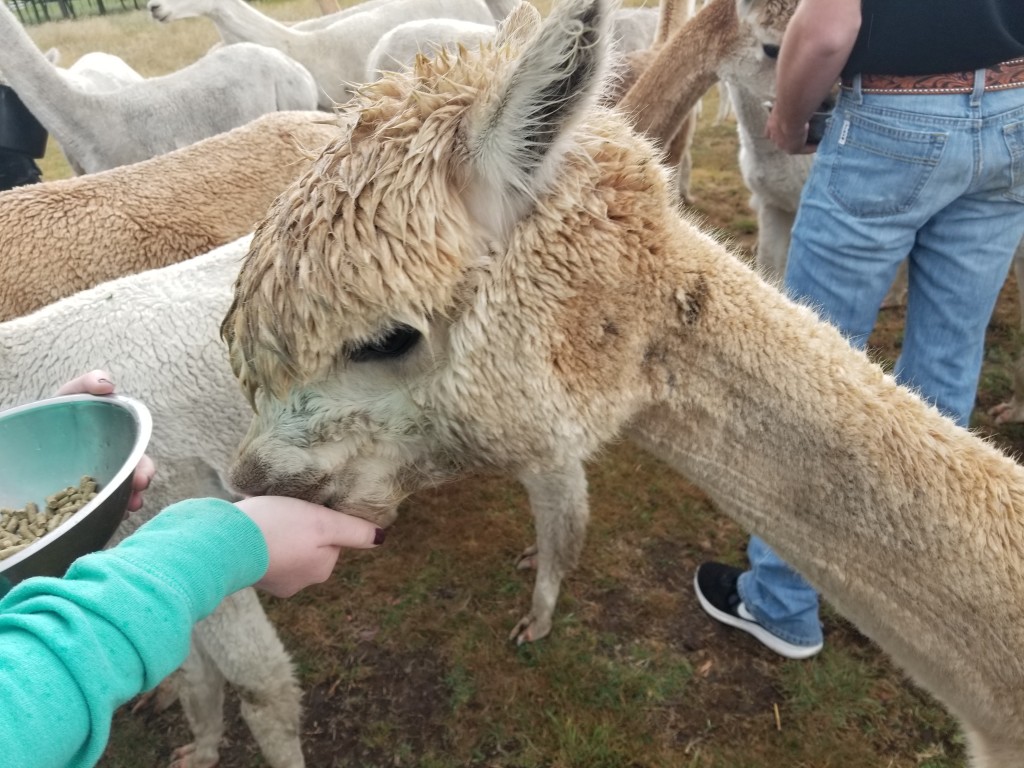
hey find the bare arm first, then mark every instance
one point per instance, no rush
(815, 48)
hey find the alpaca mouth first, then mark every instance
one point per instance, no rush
(162, 18)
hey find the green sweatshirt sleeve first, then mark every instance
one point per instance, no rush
(74, 649)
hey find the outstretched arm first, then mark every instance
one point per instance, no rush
(74, 649)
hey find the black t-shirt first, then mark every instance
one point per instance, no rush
(928, 37)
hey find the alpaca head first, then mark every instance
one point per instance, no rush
(761, 26)
(171, 10)
(437, 294)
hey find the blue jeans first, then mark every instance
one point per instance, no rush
(936, 179)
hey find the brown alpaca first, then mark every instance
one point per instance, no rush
(62, 237)
(491, 274)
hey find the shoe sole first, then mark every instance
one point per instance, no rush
(755, 630)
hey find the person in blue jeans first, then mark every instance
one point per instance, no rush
(922, 159)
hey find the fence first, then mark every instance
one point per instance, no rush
(38, 11)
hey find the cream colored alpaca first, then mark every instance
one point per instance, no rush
(502, 282)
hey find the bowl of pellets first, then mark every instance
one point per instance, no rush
(66, 467)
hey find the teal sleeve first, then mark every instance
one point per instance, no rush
(74, 649)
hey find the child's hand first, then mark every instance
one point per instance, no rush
(99, 383)
(304, 540)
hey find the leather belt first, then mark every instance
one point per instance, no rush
(998, 77)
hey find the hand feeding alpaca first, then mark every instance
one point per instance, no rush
(99, 130)
(149, 214)
(335, 55)
(506, 285)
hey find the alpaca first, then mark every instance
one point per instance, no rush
(499, 10)
(399, 46)
(140, 328)
(505, 283)
(148, 214)
(671, 16)
(97, 131)
(96, 72)
(725, 41)
(335, 55)
(632, 29)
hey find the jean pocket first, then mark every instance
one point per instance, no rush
(1014, 136)
(878, 170)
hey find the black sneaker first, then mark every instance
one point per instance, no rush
(715, 585)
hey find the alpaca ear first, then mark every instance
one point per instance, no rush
(519, 26)
(53, 56)
(518, 136)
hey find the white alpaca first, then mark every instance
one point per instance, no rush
(632, 29)
(398, 47)
(507, 284)
(157, 334)
(336, 55)
(96, 131)
(96, 72)
(499, 10)
(148, 214)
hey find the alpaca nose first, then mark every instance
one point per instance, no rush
(250, 476)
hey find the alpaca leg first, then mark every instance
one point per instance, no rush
(897, 295)
(680, 157)
(161, 697)
(725, 110)
(1018, 273)
(243, 644)
(1004, 751)
(1012, 411)
(200, 687)
(773, 234)
(559, 503)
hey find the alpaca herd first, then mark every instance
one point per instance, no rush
(395, 245)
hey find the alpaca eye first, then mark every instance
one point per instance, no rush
(395, 343)
(771, 51)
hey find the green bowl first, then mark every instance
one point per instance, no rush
(48, 445)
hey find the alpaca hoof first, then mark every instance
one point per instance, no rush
(529, 630)
(160, 698)
(1007, 413)
(528, 560)
(186, 757)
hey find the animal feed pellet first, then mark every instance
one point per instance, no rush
(19, 528)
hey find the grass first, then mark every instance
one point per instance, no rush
(403, 656)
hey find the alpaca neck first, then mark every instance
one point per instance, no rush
(751, 115)
(911, 527)
(53, 101)
(682, 71)
(238, 22)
